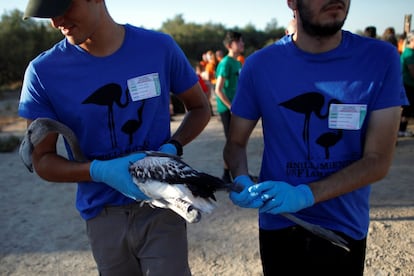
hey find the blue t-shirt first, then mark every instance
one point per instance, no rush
(291, 91)
(115, 105)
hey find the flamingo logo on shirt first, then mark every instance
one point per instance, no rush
(111, 95)
(313, 103)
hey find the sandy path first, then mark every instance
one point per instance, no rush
(41, 233)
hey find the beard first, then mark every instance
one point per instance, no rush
(316, 29)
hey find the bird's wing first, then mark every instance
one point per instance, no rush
(160, 190)
(171, 170)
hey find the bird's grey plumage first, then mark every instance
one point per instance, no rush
(166, 172)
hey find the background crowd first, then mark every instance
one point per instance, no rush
(405, 45)
(206, 68)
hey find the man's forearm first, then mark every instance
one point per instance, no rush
(357, 175)
(236, 159)
(55, 168)
(192, 125)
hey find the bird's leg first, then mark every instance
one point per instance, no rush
(319, 231)
(182, 208)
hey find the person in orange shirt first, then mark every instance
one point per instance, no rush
(203, 61)
(209, 75)
(241, 59)
(210, 67)
(203, 84)
(401, 43)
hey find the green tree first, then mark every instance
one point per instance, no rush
(196, 39)
(20, 41)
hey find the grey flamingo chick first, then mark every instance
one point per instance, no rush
(165, 179)
(171, 183)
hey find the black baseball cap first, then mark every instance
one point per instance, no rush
(46, 8)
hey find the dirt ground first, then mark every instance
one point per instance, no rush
(41, 232)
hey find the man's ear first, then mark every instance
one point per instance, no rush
(291, 4)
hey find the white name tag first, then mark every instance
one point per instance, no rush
(347, 116)
(144, 87)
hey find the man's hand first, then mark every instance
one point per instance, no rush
(168, 149)
(245, 198)
(115, 173)
(281, 197)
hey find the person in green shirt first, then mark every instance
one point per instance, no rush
(407, 63)
(227, 75)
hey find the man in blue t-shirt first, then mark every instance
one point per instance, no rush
(111, 85)
(330, 103)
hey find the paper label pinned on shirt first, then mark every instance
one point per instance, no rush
(144, 87)
(347, 116)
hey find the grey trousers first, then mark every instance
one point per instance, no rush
(139, 240)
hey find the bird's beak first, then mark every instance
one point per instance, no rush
(25, 152)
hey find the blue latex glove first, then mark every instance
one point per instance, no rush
(168, 149)
(245, 198)
(115, 173)
(281, 197)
